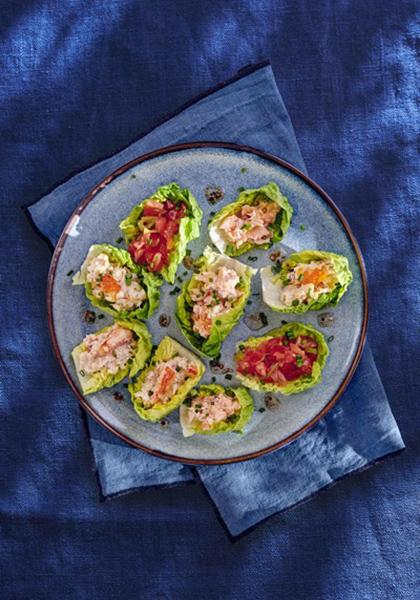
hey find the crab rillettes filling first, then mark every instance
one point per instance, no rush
(306, 282)
(217, 291)
(250, 224)
(164, 379)
(110, 350)
(209, 410)
(114, 284)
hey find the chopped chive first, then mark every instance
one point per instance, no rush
(119, 240)
(218, 322)
(261, 410)
(295, 302)
(302, 227)
(290, 335)
(70, 273)
(252, 258)
(241, 189)
(228, 376)
(101, 316)
(82, 373)
(133, 176)
(244, 170)
(188, 252)
(213, 379)
(128, 279)
(300, 277)
(330, 339)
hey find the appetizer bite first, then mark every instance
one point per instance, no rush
(173, 371)
(257, 219)
(104, 358)
(114, 283)
(158, 229)
(288, 360)
(212, 301)
(307, 280)
(212, 409)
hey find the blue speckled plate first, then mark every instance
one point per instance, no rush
(196, 166)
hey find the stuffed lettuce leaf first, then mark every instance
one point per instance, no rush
(288, 359)
(212, 409)
(106, 357)
(172, 372)
(307, 280)
(257, 219)
(212, 301)
(116, 285)
(158, 230)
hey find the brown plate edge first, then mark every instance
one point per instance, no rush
(188, 146)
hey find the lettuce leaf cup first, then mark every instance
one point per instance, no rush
(288, 359)
(172, 372)
(106, 357)
(212, 409)
(307, 280)
(212, 301)
(116, 285)
(158, 230)
(257, 219)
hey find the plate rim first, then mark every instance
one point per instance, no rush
(190, 146)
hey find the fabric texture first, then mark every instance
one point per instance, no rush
(79, 80)
(360, 428)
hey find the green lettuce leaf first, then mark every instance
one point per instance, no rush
(225, 322)
(91, 383)
(236, 423)
(167, 349)
(293, 387)
(149, 282)
(252, 196)
(189, 227)
(273, 283)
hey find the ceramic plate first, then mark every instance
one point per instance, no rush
(316, 223)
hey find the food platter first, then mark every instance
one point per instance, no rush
(316, 224)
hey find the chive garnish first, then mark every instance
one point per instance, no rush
(119, 240)
(70, 273)
(244, 170)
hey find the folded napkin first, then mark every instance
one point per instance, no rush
(358, 431)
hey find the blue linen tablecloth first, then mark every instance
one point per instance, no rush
(358, 431)
(78, 82)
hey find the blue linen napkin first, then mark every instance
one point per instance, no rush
(358, 431)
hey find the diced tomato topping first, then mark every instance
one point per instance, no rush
(152, 208)
(158, 226)
(279, 359)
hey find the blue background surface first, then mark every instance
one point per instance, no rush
(79, 81)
